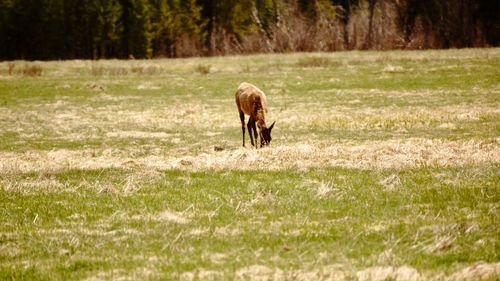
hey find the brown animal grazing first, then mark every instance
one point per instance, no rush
(252, 101)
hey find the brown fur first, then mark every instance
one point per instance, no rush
(251, 101)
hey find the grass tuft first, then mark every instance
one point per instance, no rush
(11, 67)
(314, 62)
(203, 68)
(98, 70)
(146, 69)
(28, 70)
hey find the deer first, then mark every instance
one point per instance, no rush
(252, 101)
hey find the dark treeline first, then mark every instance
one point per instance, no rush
(66, 29)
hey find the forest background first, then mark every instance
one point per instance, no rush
(93, 29)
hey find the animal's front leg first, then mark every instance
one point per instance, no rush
(243, 132)
(254, 132)
(242, 118)
(249, 126)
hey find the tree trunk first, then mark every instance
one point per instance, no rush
(344, 12)
(369, 37)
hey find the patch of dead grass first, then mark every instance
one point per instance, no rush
(402, 273)
(138, 273)
(32, 184)
(324, 189)
(389, 68)
(227, 230)
(201, 274)
(140, 134)
(258, 272)
(173, 217)
(199, 231)
(391, 182)
(103, 97)
(445, 117)
(369, 155)
(480, 271)
(148, 86)
(441, 243)
(262, 272)
(391, 154)
(164, 216)
(387, 257)
(338, 272)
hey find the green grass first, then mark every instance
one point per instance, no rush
(379, 160)
(245, 218)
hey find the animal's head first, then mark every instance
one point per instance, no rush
(265, 135)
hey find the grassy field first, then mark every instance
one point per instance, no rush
(383, 166)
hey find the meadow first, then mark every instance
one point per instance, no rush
(383, 166)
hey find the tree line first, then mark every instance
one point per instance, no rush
(67, 29)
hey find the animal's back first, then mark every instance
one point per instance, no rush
(247, 96)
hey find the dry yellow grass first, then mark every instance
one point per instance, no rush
(398, 154)
(477, 272)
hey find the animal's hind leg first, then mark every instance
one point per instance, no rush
(242, 118)
(254, 132)
(249, 126)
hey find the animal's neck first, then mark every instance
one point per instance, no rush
(261, 123)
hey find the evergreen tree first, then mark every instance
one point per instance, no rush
(136, 26)
(59, 29)
(53, 20)
(170, 21)
(104, 28)
(226, 19)
(267, 14)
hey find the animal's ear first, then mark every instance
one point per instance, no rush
(272, 125)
